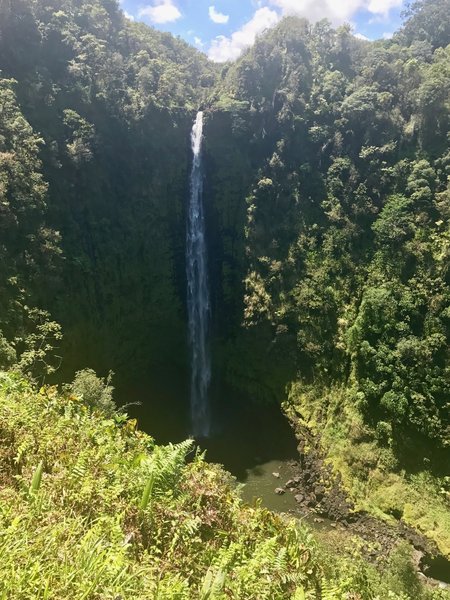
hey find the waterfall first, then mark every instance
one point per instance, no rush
(197, 291)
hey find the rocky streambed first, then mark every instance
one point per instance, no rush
(308, 489)
(260, 449)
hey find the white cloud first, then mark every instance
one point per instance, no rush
(382, 7)
(387, 35)
(217, 17)
(162, 11)
(198, 42)
(360, 36)
(337, 11)
(128, 16)
(229, 48)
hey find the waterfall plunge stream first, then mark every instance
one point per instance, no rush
(198, 292)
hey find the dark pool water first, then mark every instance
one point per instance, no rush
(251, 441)
(437, 568)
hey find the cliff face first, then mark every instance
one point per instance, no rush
(123, 231)
(236, 150)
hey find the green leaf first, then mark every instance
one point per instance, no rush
(146, 494)
(37, 478)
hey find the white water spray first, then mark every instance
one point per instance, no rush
(198, 292)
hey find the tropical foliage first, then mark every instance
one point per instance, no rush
(344, 246)
(91, 508)
(328, 219)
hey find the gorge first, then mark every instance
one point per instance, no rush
(283, 252)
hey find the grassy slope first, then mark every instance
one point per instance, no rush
(369, 470)
(114, 516)
(85, 533)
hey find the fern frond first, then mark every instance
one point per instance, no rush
(166, 465)
(212, 585)
(330, 591)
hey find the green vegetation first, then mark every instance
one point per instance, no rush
(347, 227)
(328, 215)
(341, 259)
(369, 466)
(29, 248)
(91, 508)
(101, 110)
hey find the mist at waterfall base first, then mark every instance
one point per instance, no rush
(244, 434)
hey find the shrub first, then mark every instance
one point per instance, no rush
(96, 392)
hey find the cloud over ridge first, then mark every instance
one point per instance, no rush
(270, 12)
(161, 11)
(229, 48)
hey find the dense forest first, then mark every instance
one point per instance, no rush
(344, 236)
(327, 205)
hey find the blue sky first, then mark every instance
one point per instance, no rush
(224, 28)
